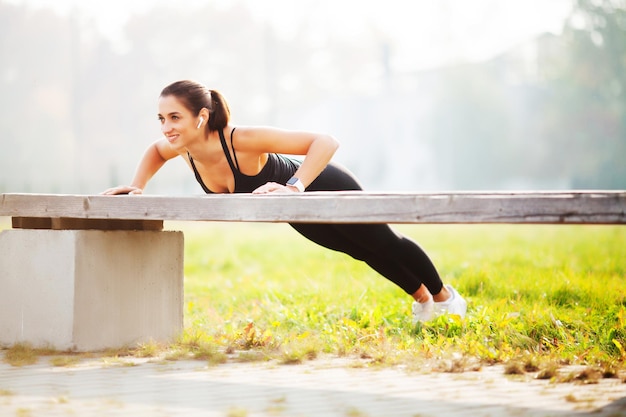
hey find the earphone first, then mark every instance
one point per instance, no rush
(200, 122)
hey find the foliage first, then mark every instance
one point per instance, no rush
(559, 124)
(589, 95)
(551, 118)
(22, 354)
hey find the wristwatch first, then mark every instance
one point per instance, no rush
(295, 182)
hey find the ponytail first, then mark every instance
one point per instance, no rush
(220, 112)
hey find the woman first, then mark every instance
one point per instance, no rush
(227, 159)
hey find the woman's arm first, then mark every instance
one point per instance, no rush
(318, 149)
(153, 159)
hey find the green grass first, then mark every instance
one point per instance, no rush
(553, 293)
(539, 297)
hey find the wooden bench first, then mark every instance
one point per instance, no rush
(89, 272)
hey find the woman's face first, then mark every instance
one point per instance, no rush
(178, 124)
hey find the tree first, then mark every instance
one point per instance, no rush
(589, 104)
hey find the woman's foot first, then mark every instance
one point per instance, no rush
(430, 309)
(455, 304)
(423, 312)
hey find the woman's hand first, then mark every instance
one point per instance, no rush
(123, 189)
(274, 187)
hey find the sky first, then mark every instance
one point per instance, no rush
(444, 30)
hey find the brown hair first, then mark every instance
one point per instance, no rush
(195, 97)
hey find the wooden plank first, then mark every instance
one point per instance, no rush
(566, 207)
(64, 223)
(31, 222)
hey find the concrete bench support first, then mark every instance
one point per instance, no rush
(89, 290)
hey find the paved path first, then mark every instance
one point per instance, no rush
(329, 388)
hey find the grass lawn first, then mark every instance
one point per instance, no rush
(536, 295)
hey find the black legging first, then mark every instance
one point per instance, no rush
(394, 256)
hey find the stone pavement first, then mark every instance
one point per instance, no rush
(329, 388)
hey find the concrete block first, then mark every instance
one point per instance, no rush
(88, 290)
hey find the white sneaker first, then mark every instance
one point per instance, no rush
(453, 305)
(423, 312)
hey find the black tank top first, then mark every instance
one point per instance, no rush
(278, 168)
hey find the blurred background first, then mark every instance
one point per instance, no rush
(423, 95)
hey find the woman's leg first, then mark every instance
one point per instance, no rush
(394, 256)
